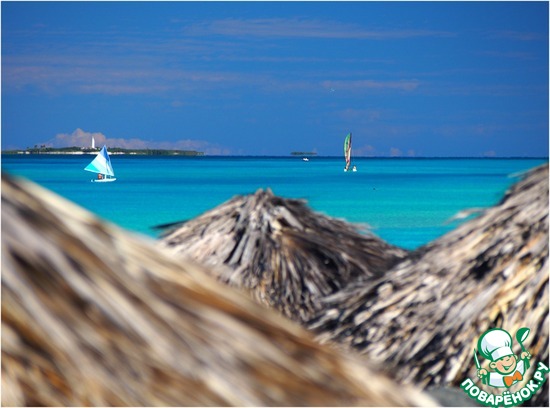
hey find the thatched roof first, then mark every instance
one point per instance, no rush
(422, 318)
(94, 316)
(285, 255)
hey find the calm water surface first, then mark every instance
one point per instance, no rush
(405, 201)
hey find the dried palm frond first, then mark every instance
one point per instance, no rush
(422, 318)
(92, 315)
(285, 255)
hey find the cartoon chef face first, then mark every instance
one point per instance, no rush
(496, 345)
(505, 365)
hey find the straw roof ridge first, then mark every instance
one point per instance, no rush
(282, 253)
(92, 315)
(423, 317)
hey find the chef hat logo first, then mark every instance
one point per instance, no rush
(495, 344)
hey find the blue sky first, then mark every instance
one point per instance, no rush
(268, 78)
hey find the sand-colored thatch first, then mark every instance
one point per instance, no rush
(285, 255)
(423, 317)
(94, 316)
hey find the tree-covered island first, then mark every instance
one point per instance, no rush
(112, 150)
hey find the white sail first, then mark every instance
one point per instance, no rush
(101, 164)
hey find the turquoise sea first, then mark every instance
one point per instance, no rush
(407, 202)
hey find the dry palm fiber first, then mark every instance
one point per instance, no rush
(94, 316)
(285, 255)
(422, 319)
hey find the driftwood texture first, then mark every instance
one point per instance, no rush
(286, 256)
(422, 319)
(94, 316)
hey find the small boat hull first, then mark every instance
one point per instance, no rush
(104, 180)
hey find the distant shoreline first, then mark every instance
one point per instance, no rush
(112, 151)
(303, 153)
(187, 153)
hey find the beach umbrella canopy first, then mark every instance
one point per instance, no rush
(94, 316)
(422, 318)
(280, 251)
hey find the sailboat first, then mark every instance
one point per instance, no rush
(102, 166)
(347, 152)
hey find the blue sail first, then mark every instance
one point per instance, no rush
(101, 164)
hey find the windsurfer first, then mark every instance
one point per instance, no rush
(347, 151)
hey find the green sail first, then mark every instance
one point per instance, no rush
(347, 151)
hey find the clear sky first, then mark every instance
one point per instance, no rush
(268, 78)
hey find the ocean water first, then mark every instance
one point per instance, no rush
(407, 202)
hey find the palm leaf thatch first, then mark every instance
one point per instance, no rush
(285, 255)
(422, 319)
(94, 316)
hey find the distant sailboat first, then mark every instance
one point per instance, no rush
(102, 166)
(347, 152)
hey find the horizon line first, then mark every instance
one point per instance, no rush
(297, 157)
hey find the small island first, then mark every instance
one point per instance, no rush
(113, 150)
(303, 153)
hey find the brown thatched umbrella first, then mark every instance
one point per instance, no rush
(94, 316)
(423, 317)
(284, 254)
